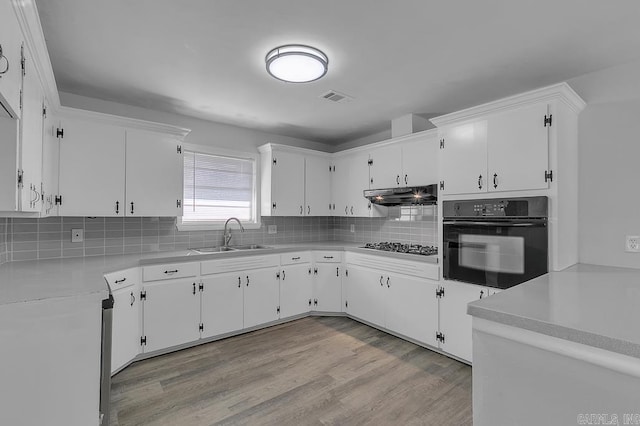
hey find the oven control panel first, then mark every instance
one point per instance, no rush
(499, 207)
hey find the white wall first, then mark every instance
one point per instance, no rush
(609, 164)
(202, 132)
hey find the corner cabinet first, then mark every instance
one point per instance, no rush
(11, 43)
(139, 172)
(294, 181)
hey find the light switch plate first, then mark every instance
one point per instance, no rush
(77, 235)
(632, 243)
(273, 229)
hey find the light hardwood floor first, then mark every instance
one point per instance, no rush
(313, 371)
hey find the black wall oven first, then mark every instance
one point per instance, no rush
(495, 242)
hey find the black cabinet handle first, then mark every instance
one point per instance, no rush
(295, 258)
(328, 257)
(406, 180)
(132, 207)
(6, 60)
(481, 294)
(309, 302)
(133, 298)
(337, 271)
(388, 282)
(283, 275)
(351, 209)
(247, 280)
(308, 209)
(315, 302)
(239, 282)
(301, 210)
(397, 179)
(171, 272)
(194, 288)
(117, 207)
(120, 281)
(480, 182)
(495, 180)
(381, 278)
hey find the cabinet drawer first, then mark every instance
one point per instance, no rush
(243, 263)
(327, 256)
(415, 268)
(295, 257)
(122, 279)
(170, 271)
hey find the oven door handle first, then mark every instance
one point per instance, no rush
(481, 223)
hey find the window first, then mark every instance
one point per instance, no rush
(217, 187)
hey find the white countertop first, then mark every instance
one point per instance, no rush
(25, 281)
(594, 305)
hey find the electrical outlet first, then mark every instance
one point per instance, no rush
(273, 229)
(353, 228)
(632, 243)
(77, 235)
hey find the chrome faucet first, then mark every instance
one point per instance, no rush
(227, 231)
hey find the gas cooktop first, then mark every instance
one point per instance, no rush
(403, 248)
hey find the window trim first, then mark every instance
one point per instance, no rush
(218, 226)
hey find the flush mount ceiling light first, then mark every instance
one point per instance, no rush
(296, 63)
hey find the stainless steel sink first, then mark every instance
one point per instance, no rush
(207, 250)
(250, 247)
(222, 249)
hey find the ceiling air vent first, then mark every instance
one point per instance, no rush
(335, 96)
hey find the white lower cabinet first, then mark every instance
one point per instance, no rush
(327, 281)
(222, 304)
(400, 303)
(261, 296)
(171, 313)
(296, 283)
(412, 308)
(126, 329)
(455, 323)
(295, 289)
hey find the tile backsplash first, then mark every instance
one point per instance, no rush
(48, 238)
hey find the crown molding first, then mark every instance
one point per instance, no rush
(29, 20)
(558, 92)
(67, 112)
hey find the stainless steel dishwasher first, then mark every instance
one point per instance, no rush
(105, 360)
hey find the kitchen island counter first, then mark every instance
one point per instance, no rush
(588, 304)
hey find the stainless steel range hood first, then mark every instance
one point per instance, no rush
(407, 196)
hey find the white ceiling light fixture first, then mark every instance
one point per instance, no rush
(296, 63)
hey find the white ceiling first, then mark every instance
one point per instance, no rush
(205, 58)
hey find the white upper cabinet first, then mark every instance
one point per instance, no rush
(154, 174)
(420, 160)
(386, 167)
(317, 185)
(518, 148)
(92, 169)
(350, 177)
(507, 151)
(11, 42)
(295, 182)
(107, 169)
(463, 158)
(31, 138)
(408, 161)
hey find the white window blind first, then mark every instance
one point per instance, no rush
(218, 187)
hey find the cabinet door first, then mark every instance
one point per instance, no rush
(463, 159)
(126, 327)
(412, 308)
(339, 186)
(287, 183)
(11, 42)
(154, 170)
(31, 138)
(295, 290)
(222, 304)
(518, 145)
(317, 186)
(386, 167)
(365, 295)
(50, 157)
(455, 323)
(420, 161)
(91, 169)
(327, 287)
(171, 314)
(261, 296)
(358, 165)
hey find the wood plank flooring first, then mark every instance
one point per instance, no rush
(313, 371)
